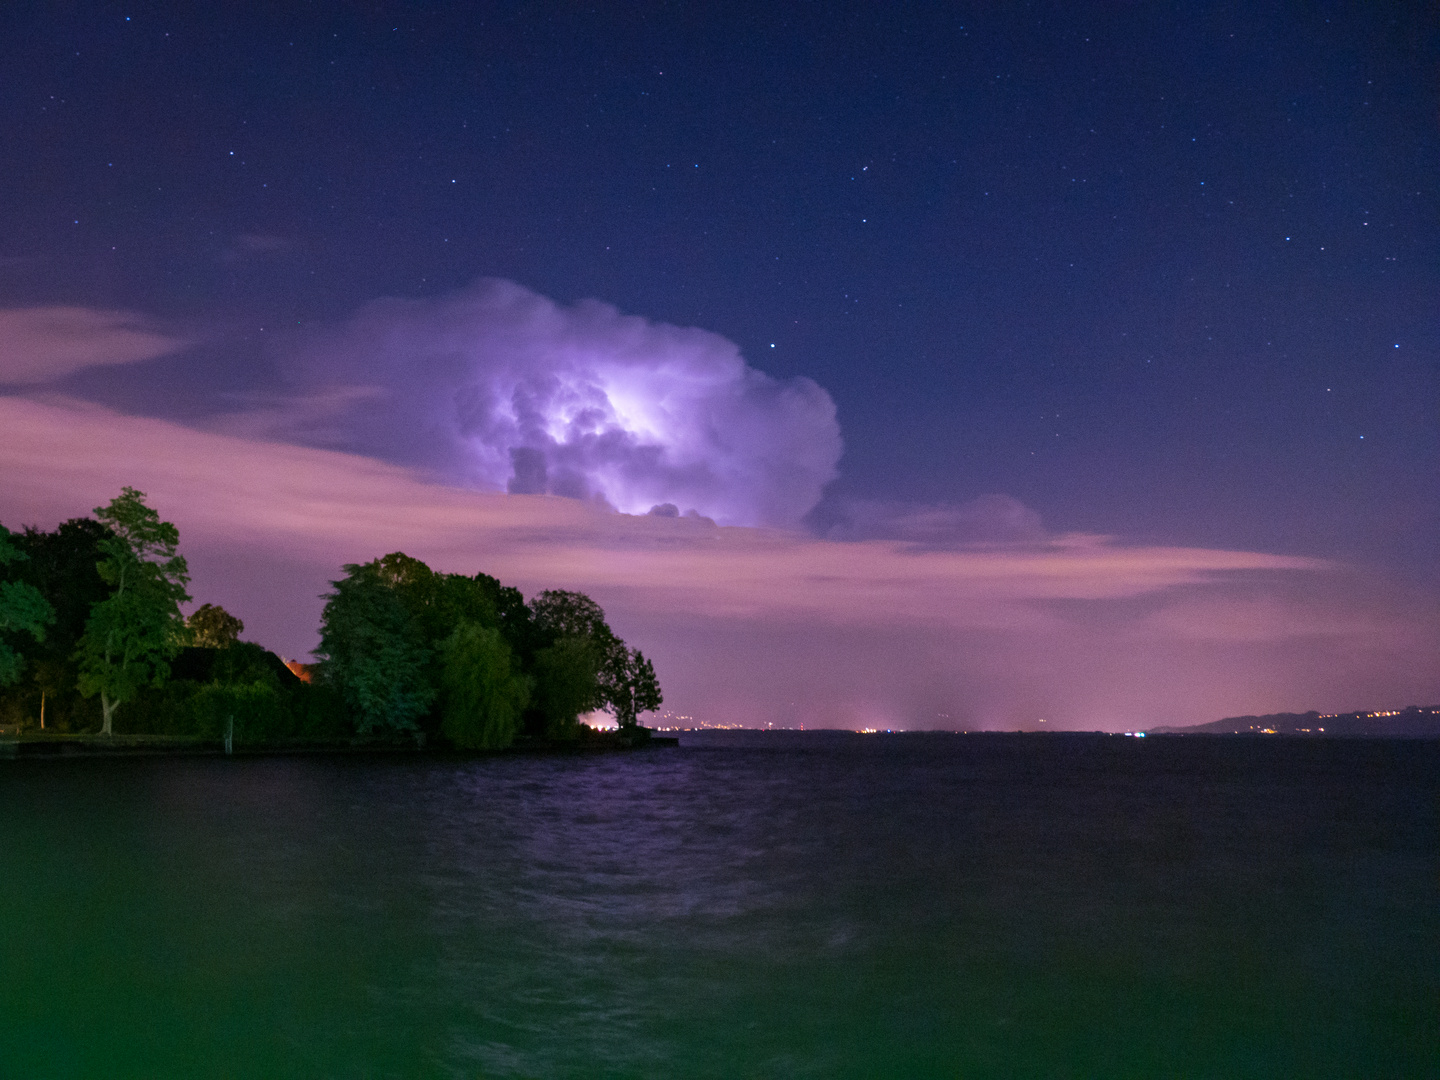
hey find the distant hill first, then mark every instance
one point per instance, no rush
(1412, 722)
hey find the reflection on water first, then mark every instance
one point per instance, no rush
(761, 905)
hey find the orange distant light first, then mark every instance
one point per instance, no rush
(303, 672)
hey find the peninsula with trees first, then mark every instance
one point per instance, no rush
(94, 647)
(1411, 722)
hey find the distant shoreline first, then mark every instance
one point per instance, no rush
(1411, 722)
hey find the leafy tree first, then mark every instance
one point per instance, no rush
(251, 712)
(576, 643)
(483, 694)
(22, 610)
(567, 684)
(438, 602)
(131, 635)
(212, 627)
(512, 615)
(397, 638)
(62, 566)
(629, 685)
(373, 650)
(623, 680)
(570, 614)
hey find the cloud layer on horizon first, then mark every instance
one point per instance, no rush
(496, 387)
(743, 622)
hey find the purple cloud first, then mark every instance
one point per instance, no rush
(497, 387)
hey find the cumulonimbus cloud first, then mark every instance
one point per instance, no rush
(41, 344)
(495, 386)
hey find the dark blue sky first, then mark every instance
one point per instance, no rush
(1164, 271)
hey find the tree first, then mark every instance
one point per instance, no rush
(22, 610)
(619, 678)
(567, 684)
(63, 566)
(508, 602)
(570, 614)
(629, 685)
(374, 652)
(132, 635)
(212, 627)
(483, 694)
(569, 670)
(512, 614)
(438, 602)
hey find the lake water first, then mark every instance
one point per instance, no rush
(748, 905)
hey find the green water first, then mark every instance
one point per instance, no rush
(790, 906)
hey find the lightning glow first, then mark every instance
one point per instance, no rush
(497, 387)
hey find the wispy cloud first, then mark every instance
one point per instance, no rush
(41, 344)
(987, 518)
(253, 245)
(262, 242)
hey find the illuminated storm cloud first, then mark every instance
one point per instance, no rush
(496, 386)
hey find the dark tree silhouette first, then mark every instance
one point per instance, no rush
(630, 686)
(22, 610)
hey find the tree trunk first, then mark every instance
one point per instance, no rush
(107, 706)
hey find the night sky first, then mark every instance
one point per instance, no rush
(1120, 279)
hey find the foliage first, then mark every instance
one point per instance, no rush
(61, 565)
(576, 643)
(403, 648)
(319, 713)
(566, 684)
(511, 612)
(244, 685)
(240, 661)
(629, 686)
(483, 695)
(127, 645)
(437, 602)
(131, 635)
(256, 712)
(22, 610)
(212, 627)
(623, 680)
(373, 651)
(398, 637)
(570, 614)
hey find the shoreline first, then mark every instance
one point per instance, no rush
(36, 746)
